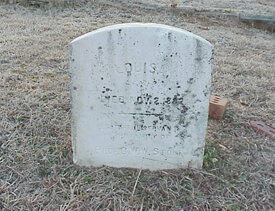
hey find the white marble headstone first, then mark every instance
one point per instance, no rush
(140, 96)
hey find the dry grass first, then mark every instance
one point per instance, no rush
(45, 3)
(247, 6)
(36, 169)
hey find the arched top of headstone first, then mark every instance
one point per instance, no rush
(141, 27)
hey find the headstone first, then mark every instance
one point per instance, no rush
(140, 97)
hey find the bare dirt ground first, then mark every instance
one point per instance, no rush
(36, 168)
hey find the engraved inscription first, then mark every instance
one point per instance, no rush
(122, 150)
(140, 67)
(113, 99)
(145, 136)
(144, 100)
(137, 151)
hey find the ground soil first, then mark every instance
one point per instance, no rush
(36, 167)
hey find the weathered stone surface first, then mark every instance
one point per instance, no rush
(140, 97)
